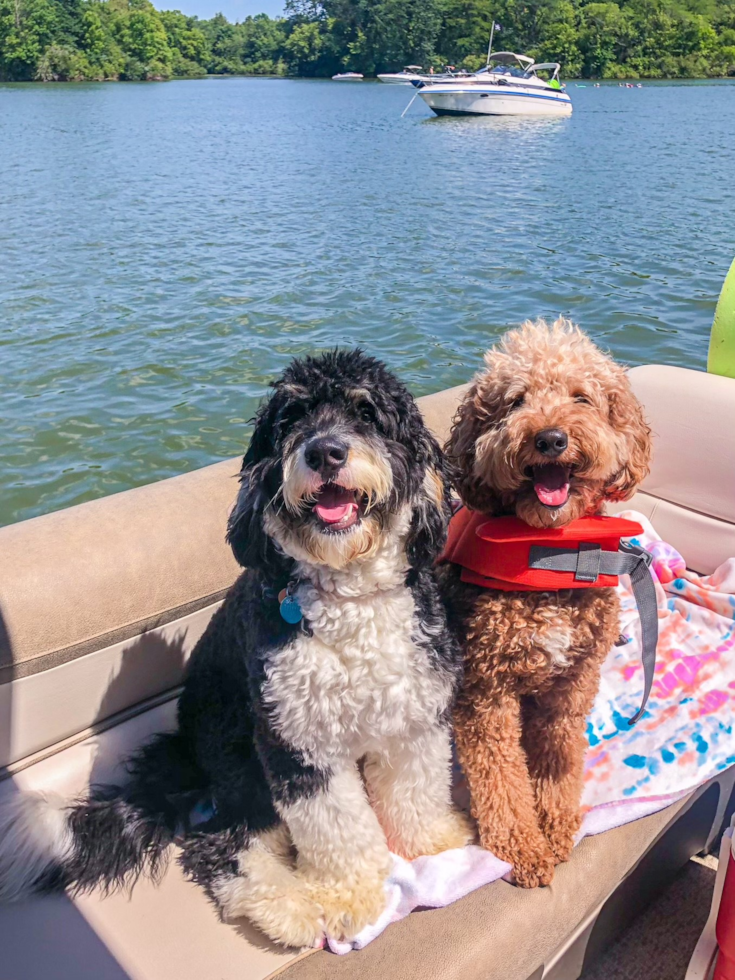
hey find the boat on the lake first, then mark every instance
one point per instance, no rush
(348, 76)
(510, 85)
(415, 73)
(407, 76)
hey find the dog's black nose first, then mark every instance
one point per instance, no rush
(551, 442)
(325, 454)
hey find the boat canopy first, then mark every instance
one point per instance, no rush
(412, 68)
(508, 57)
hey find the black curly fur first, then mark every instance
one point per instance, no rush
(207, 855)
(315, 392)
(225, 748)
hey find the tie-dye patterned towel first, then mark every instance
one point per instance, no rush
(685, 736)
(683, 739)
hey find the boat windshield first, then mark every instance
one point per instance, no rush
(507, 63)
(552, 67)
(507, 70)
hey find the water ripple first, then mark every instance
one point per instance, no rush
(167, 248)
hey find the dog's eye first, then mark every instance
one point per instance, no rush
(290, 415)
(582, 399)
(366, 412)
(516, 403)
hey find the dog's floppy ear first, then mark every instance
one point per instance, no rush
(470, 421)
(626, 417)
(246, 535)
(431, 509)
(420, 471)
(259, 478)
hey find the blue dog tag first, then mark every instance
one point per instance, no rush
(291, 610)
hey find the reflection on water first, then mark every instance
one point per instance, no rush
(530, 126)
(167, 248)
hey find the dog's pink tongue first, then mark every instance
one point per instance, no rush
(551, 484)
(335, 504)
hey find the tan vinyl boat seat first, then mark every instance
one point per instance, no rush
(101, 604)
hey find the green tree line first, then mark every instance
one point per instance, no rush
(68, 40)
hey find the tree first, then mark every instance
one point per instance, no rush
(68, 21)
(310, 51)
(560, 37)
(602, 24)
(383, 35)
(93, 36)
(26, 29)
(224, 46)
(129, 39)
(61, 64)
(263, 42)
(144, 37)
(184, 35)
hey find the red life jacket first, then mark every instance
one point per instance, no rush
(507, 554)
(494, 551)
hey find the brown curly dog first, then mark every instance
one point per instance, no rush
(549, 432)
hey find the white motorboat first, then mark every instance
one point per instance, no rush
(508, 86)
(414, 73)
(348, 76)
(409, 74)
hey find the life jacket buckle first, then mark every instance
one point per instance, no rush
(588, 562)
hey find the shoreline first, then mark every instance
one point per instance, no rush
(611, 82)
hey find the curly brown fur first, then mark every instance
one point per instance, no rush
(532, 659)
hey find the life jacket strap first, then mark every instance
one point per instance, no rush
(588, 562)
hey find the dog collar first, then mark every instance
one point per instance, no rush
(507, 554)
(289, 605)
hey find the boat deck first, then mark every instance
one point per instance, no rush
(659, 943)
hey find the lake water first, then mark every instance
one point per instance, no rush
(166, 249)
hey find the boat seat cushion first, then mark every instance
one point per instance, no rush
(105, 601)
(499, 932)
(171, 930)
(689, 495)
(97, 574)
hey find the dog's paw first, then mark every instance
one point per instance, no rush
(532, 862)
(296, 922)
(560, 826)
(453, 829)
(532, 871)
(561, 842)
(348, 908)
(289, 917)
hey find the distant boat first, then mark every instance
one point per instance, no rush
(348, 76)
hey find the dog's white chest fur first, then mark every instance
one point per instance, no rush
(360, 678)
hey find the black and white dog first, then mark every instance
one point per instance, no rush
(331, 650)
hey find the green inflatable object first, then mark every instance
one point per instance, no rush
(721, 357)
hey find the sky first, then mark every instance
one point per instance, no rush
(233, 10)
